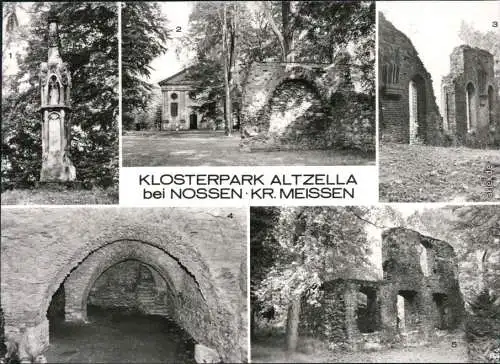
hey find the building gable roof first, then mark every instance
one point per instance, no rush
(180, 78)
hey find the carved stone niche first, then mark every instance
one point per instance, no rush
(55, 89)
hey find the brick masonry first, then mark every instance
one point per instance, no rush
(42, 248)
(470, 96)
(399, 65)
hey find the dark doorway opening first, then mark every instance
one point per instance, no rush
(193, 121)
(367, 311)
(441, 310)
(407, 310)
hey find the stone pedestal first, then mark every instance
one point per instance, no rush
(55, 87)
(56, 165)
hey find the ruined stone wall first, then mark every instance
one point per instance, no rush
(471, 117)
(360, 313)
(119, 285)
(208, 244)
(423, 267)
(326, 320)
(304, 106)
(399, 64)
(131, 285)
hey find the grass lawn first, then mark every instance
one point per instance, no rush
(59, 196)
(437, 352)
(213, 148)
(416, 173)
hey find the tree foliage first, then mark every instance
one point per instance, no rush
(305, 31)
(304, 242)
(144, 37)
(88, 38)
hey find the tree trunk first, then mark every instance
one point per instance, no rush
(268, 12)
(292, 325)
(482, 255)
(287, 38)
(225, 55)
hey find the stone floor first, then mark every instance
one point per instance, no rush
(114, 337)
(213, 148)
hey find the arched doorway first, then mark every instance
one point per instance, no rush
(193, 121)
(133, 296)
(471, 107)
(416, 110)
(296, 114)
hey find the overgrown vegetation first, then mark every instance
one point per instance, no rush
(482, 328)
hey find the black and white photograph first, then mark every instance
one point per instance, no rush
(59, 103)
(439, 101)
(356, 284)
(242, 83)
(143, 285)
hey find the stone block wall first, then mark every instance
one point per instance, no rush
(208, 244)
(399, 64)
(359, 313)
(426, 266)
(326, 320)
(298, 106)
(131, 285)
(474, 115)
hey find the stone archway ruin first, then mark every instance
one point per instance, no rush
(303, 106)
(81, 279)
(179, 244)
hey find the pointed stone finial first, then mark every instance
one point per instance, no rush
(53, 23)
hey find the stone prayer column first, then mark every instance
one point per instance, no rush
(55, 87)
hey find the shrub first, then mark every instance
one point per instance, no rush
(482, 328)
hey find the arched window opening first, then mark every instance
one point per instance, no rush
(424, 261)
(471, 107)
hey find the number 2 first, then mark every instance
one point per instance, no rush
(178, 29)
